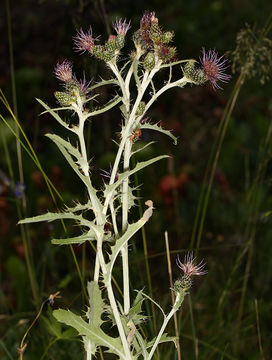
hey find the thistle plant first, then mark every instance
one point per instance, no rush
(153, 52)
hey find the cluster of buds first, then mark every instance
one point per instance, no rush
(212, 69)
(189, 269)
(72, 87)
(152, 39)
(108, 51)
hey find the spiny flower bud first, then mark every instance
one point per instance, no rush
(110, 44)
(73, 86)
(108, 55)
(167, 37)
(189, 69)
(64, 99)
(98, 51)
(120, 41)
(155, 33)
(149, 61)
(183, 284)
(166, 53)
(141, 108)
(198, 76)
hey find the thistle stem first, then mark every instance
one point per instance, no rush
(176, 306)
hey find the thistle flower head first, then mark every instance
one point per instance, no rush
(84, 41)
(214, 67)
(63, 71)
(121, 26)
(146, 20)
(189, 267)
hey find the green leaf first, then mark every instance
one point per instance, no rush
(156, 127)
(57, 216)
(103, 83)
(48, 217)
(131, 230)
(94, 229)
(165, 338)
(135, 312)
(121, 177)
(140, 147)
(97, 305)
(110, 104)
(55, 115)
(91, 332)
(67, 150)
(52, 325)
(75, 240)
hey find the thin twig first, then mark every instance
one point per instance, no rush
(172, 291)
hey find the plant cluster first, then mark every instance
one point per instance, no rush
(153, 53)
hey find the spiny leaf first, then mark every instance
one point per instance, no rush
(93, 333)
(135, 312)
(97, 305)
(110, 104)
(126, 174)
(140, 148)
(67, 150)
(156, 127)
(89, 236)
(55, 115)
(131, 230)
(79, 207)
(165, 338)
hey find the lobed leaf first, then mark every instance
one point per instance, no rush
(109, 189)
(55, 115)
(156, 127)
(91, 332)
(110, 104)
(131, 230)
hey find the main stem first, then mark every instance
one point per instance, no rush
(125, 209)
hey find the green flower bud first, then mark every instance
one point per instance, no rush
(198, 76)
(167, 37)
(73, 87)
(149, 61)
(155, 33)
(108, 55)
(64, 99)
(110, 45)
(98, 51)
(141, 109)
(189, 69)
(120, 41)
(183, 284)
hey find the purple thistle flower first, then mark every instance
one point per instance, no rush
(84, 85)
(214, 67)
(63, 71)
(121, 27)
(189, 267)
(84, 41)
(147, 18)
(19, 190)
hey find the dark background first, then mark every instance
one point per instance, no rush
(42, 34)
